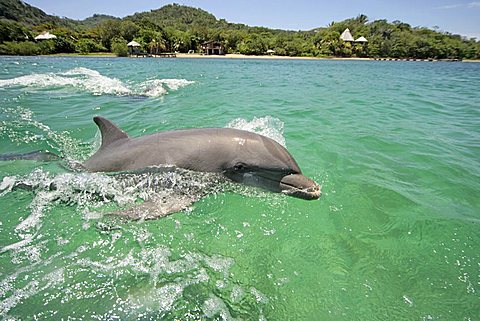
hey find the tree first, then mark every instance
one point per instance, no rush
(85, 46)
(119, 47)
(253, 44)
(13, 31)
(108, 30)
(129, 30)
(329, 43)
(362, 19)
(180, 28)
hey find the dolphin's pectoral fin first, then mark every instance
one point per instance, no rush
(157, 207)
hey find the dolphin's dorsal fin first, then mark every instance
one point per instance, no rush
(110, 132)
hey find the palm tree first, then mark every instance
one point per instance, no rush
(363, 19)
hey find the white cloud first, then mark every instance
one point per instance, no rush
(475, 35)
(451, 6)
(473, 4)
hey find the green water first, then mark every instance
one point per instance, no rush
(395, 235)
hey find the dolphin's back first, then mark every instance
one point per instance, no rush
(202, 149)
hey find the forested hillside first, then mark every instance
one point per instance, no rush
(181, 28)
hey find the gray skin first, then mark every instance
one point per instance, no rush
(242, 156)
(43, 156)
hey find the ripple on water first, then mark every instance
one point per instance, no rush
(395, 144)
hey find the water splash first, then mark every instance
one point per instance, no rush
(163, 286)
(92, 81)
(90, 191)
(268, 126)
(22, 127)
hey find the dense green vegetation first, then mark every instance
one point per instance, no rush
(180, 28)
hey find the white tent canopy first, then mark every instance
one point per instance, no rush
(361, 39)
(346, 35)
(133, 44)
(45, 36)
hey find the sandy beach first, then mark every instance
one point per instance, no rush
(237, 56)
(240, 56)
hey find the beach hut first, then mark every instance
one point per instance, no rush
(213, 48)
(133, 48)
(347, 36)
(45, 36)
(361, 39)
(270, 52)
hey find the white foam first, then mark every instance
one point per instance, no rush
(41, 201)
(158, 87)
(268, 126)
(81, 78)
(17, 245)
(237, 293)
(214, 306)
(175, 84)
(162, 292)
(219, 263)
(92, 81)
(259, 296)
(8, 182)
(32, 288)
(89, 191)
(167, 295)
(151, 88)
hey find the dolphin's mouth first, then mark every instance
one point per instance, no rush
(300, 186)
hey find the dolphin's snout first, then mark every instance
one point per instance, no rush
(300, 186)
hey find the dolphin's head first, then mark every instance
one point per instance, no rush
(264, 163)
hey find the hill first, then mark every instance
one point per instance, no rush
(177, 16)
(181, 28)
(95, 20)
(24, 13)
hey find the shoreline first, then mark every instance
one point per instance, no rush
(241, 56)
(274, 57)
(268, 57)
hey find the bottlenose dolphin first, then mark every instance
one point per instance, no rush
(36, 155)
(241, 156)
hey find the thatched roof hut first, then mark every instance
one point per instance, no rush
(347, 36)
(362, 39)
(134, 48)
(45, 36)
(133, 44)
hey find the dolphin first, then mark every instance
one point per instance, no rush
(38, 155)
(239, 155)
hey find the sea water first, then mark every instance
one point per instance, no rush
(395, 235)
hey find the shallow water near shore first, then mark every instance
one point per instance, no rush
(395, 235)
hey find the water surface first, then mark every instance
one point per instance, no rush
(396, 146)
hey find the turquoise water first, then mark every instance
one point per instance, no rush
(395, 235)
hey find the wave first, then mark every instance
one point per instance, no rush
(166, 281)
(19, 119)
(93, 190)
(268, 126)
(95, 83)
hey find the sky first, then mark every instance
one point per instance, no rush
(455, 16)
